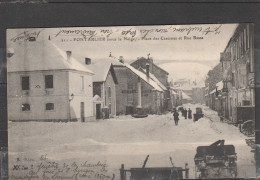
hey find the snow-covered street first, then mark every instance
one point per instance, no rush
(126, 140)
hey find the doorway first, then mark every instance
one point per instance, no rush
(82, 112)
(98, 111)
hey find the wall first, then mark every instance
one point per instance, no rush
(241, 64)
(110, 100)
(198, 95)
(37, 96)
(127, 78)
(81, 95)
(121, 100)
(155, 70)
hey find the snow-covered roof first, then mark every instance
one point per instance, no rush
(187, 88)
(185, 96)
(173, 92)
(41, 55)
(213, 91)
(97, 98)
(143, 76)
(149, 81)
(152, 76)
(101, 69)
(148, 61)
(219, 87)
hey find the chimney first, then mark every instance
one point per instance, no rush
(87, 61)
(121, 59)
(147, 69)
(68, 55)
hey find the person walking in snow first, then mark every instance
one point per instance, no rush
(185, 113)
(189, 114)
(176, 117)
(182, 112)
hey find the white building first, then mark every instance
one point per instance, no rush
(47, 84)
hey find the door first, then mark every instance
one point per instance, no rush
(98, 111)
(82, 112)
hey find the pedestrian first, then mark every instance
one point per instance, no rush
(185, 113)
(176, 117)
(189, 114)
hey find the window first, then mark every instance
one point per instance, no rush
(26, 107)
(82, 82)
(49, 106)
(48, 81)
(237, 47)
(246, 103)
(105, 97)
(25, 83)
(245, 40)
(242, 43)
(130, 98)
(248, 37)
(233, 79)
(110, 108)
(109, 92)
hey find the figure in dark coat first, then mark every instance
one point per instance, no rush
(189, 114)
(182, 112)
(176, 117)
(185, 113)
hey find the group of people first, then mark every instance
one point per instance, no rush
(184, 113)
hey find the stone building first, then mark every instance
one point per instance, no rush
(104, 87)
(136, 89)
(160, 74)
(238, 95)
(214, 78)
(47, 84)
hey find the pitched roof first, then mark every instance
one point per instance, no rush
(149, 81)
(101, 69)
(143, 76)
(41, 55)
(152, 76)
(219, 86)
(149, 60)
(185, 96)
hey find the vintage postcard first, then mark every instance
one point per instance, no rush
(131, 102)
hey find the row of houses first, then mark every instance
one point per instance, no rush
(230, 84)
(191, 92)
(46, 83)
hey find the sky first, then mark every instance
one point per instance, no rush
(185, 51)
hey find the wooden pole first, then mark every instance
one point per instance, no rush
(186, 171)
(122, 173)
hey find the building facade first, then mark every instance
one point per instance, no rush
(230, 85)
(238, 75)
(198, 95)
(136, 89)
(214, 76)
(160, 74)
(104, 88)
(47, 84)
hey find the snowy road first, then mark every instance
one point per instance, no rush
(128, 140)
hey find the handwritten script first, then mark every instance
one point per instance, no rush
(193, 32)
(26, 35)
(44, 168)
